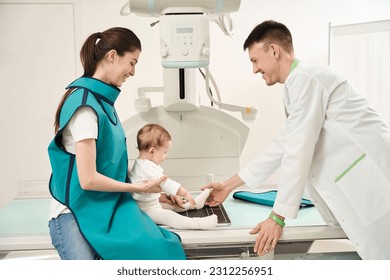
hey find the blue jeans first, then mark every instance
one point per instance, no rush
(67, 239)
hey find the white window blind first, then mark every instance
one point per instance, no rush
(361, 53)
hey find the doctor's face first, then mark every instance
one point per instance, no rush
(264, 62)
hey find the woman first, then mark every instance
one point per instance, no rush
(89, 218)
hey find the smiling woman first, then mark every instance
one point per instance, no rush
(115, 69)
(89, 161)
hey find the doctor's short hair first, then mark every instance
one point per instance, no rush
(152, 135)
(270, 32)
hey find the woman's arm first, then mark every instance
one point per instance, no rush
(92, 180)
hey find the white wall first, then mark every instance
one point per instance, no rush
(308, 21)
(36, 61)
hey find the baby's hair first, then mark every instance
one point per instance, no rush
(152, 135)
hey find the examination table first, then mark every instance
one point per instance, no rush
(24, 234)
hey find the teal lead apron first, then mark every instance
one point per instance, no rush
(111, 222)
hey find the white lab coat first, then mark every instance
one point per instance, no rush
(333, 144)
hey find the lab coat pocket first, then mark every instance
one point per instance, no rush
(366, 189)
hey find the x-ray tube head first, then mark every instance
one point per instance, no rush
(184, 28)
(185, 41)
(157, 8)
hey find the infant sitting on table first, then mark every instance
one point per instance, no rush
(153, 143)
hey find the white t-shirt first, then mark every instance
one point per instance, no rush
(83, 125)
(144, 170)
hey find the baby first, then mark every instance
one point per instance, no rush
(153, 143)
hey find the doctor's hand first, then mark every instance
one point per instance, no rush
(151, 186)
(268, 234)
(218, 194)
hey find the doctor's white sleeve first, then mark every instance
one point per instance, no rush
(308, 101)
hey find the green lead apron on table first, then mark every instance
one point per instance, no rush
(111, 222)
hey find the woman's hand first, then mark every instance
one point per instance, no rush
(151, 186)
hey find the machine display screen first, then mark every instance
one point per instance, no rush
(184, 30)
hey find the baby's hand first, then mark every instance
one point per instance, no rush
(188, 197)
(179, 200)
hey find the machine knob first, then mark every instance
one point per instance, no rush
(184, 52)
(164, 52)
(206, 51)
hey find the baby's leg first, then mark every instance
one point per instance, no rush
(174, 208)
(201, 198)
(170, 218)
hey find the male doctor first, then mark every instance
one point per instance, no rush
(332, 143)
